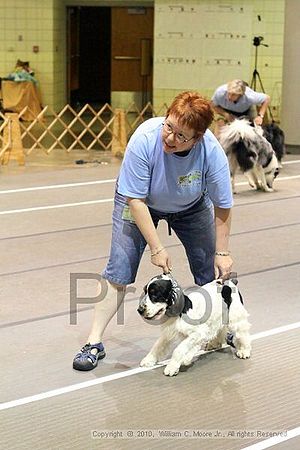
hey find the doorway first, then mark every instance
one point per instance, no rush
(109, 50)
(89, 69)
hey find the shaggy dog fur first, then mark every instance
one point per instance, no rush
(275, 136)
(247, 148)
(201, 319)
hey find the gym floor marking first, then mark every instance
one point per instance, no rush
(124, 374)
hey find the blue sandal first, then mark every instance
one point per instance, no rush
(85, 360)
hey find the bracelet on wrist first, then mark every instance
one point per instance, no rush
(157, 251)
(227, 253)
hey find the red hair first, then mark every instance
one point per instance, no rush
(192, 110)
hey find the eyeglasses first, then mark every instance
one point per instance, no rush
(179, 137)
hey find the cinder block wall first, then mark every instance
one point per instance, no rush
(25, 24)
(201, 44)
(28, 23)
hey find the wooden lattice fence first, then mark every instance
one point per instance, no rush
(107, 129)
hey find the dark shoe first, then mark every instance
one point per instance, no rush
(85, 360)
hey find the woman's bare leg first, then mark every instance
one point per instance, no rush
(106, 309)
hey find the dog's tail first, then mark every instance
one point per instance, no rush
(237, 130)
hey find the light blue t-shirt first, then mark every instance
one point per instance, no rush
(172, 183)
(247, 100)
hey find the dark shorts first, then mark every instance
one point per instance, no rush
(249, 113)
(194, 227)
(238, 114)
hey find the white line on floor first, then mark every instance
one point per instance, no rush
(292, 177)
(63, 205)
(86, 183)
(126, 373)
(57, 186)
(105, 200)
(274, 440)
(295, 161)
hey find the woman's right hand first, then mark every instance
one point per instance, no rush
(162, 260)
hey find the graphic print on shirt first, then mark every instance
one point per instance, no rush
(191, 178)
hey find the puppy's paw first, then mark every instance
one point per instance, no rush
(243, 353)
(187, 361)
(171, 369)
(148, 361)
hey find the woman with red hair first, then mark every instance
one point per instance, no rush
(175, 170)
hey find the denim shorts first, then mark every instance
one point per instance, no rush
(194, 227)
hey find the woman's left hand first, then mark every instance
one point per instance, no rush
(223, 267)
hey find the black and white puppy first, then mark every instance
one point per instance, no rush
(202, 319)
(247, 148)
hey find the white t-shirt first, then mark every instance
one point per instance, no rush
(172, 183)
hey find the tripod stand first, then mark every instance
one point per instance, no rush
(255, 74)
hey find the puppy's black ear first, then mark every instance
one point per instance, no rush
(226, 294)
(170, 299)
(172, 295)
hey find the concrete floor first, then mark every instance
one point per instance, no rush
(219, 403)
